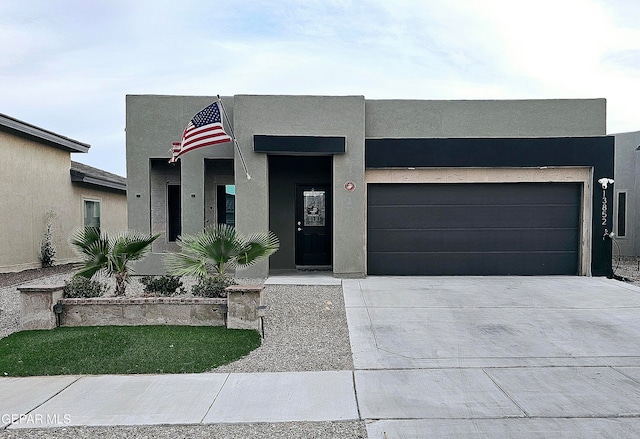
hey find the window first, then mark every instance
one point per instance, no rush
(622, 215)
(313, 208)
(226, 204)
(174, 212)
(91, 213)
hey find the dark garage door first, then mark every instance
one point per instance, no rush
(473, 229)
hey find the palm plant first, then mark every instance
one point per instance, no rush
(110, 255)
(212, 252)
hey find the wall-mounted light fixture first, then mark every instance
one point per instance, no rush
(605, 182)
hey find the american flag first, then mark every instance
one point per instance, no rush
(204, 129)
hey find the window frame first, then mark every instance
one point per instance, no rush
(95, 201)
(222, 213)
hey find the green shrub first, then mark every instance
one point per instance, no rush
(162, 285)
(81, 287)
(47, 249)
(212, 287)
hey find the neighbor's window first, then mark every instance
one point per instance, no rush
(92, 213)
(174, 212)
(226, 205)
(622, 214)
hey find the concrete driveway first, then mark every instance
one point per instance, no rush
(476, 357)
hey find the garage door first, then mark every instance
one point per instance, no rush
(473, 229)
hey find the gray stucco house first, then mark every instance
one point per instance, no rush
(627, 193)
(42, 187)
(395, 187)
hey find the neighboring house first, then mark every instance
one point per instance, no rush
(41, 184)
(383, 187)
(627, 195)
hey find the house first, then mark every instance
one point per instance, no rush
(627, 187)
(42, 185)
(383, 187)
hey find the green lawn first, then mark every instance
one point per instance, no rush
(123, 350)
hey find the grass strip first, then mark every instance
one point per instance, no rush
(123, 350)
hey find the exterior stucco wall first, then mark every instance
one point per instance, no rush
(153, 122)
(627, 179)
(37, 183)
(216, 173)
(513, 118)
(162, 175)
(37, 186)
(113, 207)
(304, 116)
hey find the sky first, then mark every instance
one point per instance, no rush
(67, 65)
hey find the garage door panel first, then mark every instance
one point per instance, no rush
(411, 194)
(512, 228)
(457, 216)
(476, 240)
(472, 264)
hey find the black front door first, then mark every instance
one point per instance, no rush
(313, 226)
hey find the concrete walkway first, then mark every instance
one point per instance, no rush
(433, 357)
(176, 399)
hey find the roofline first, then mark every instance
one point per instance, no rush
(79, 176)
(33, 132)
(83, 178)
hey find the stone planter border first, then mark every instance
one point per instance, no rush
(242, 309)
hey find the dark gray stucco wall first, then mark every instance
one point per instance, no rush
(162, 174)
(304, 116)
(216, 172)
(627, 179)
(152, 123)
(486, 118)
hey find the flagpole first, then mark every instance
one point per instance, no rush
(235, 142)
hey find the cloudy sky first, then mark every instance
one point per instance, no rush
(67, 65)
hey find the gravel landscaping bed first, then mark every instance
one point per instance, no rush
(305, 330)
(627, 268)
(305, 326)
(281, 430)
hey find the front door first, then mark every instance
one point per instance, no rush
(313, 226)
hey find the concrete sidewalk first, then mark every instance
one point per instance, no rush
(38, 402)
